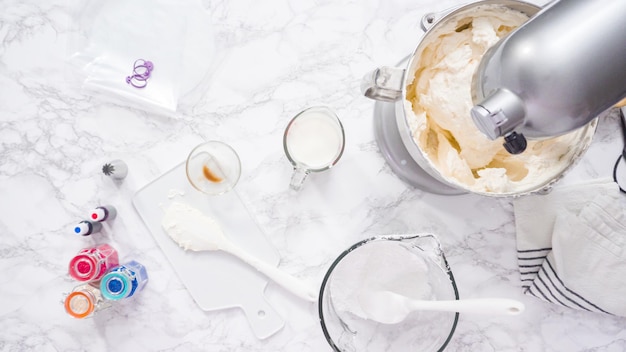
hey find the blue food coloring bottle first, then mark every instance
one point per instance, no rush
(124, 281)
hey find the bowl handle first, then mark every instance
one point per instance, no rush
(384, 84)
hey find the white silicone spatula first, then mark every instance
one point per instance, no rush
(390, 308)
(194, 231)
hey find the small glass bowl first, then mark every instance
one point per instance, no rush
(213, 168)
(388, 261)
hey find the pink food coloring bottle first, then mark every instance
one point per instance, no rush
(90, 264)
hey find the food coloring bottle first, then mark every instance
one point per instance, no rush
(124, 281)
(86, 228)
(84, 300)
(103, 213)
(90, 264)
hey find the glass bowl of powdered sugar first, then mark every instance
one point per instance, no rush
(409, 265)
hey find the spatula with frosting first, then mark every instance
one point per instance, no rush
(194, 231)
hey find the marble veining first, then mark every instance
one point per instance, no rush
(273, 60)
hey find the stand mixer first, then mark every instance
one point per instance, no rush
(548, 79)
(554, 74)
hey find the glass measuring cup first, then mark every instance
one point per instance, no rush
(411, 265)
(313, 141)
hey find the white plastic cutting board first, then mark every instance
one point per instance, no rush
(215, 280)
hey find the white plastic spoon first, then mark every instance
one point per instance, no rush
(194, 231)
(390, 308)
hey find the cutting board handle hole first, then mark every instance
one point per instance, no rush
(261, 313)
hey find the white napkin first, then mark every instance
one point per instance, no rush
(571, 246)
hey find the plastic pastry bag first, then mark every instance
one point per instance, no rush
(111, 35)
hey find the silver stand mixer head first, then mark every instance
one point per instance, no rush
(554, 74)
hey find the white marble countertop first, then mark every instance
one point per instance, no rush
(276, 58)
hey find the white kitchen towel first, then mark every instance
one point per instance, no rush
(572, 246)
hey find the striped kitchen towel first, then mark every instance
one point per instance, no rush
(571, 246)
